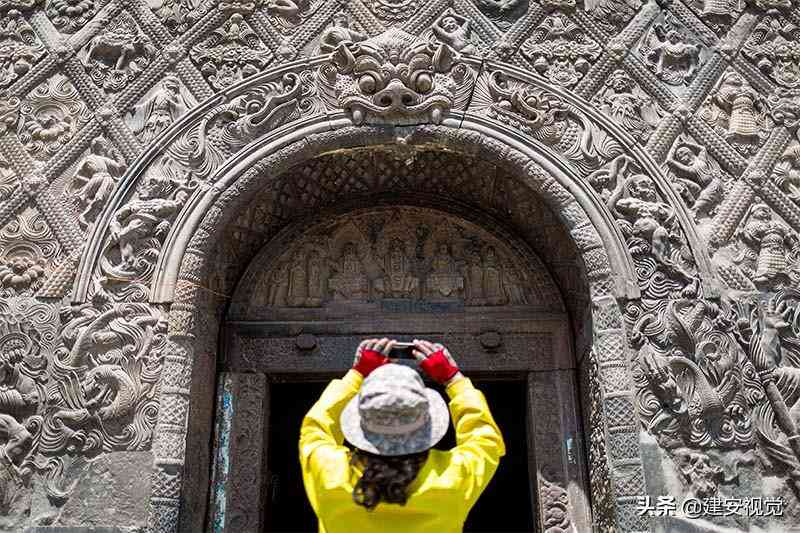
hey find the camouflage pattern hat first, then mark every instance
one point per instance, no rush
(394, 413)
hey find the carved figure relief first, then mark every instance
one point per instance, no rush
(20, 48)
(49, 116)
(787, 172)
(503, 13)
(231, 53)
(95, 179)
(622, 99)
(669, 52)
(612, 15)
(649, 226)
(160, 108)
(68, 16)
(768, 250)
(368, 258)
(340, 32)
(455, 31)
(697, 178)
(737, 112)
(773, 47)
(560, 50)
(138, 229)
(393, 76)
(114, 57)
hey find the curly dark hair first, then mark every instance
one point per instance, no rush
(385, 478)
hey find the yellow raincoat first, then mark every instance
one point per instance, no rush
(446, 488)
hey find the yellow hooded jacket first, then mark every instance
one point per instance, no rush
(446, 488)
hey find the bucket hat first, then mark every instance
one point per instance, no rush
(394, 413)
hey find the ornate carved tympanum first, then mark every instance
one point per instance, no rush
(400, 258)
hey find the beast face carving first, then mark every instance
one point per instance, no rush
(395, 79)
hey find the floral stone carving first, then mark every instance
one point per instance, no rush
(180, 15)
(28, 247)
(231, 53)
(561, 50)
(69, 16)
(49, 116)
(393, 77)
(114, 57)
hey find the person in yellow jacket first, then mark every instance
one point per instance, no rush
(393, 481)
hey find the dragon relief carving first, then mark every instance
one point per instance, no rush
(231, 53)
(560, 50)
(117, 55)
(546, 117)
(737, 112)
(394, 78)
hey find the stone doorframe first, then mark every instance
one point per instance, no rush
(318, 123)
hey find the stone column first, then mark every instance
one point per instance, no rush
(556, 451)
(237, 486)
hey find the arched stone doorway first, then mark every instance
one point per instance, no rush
(208, 166)
(393, 256)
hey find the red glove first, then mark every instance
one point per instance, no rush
(369, 361)
(439, 367)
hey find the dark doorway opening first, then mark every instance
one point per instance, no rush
(505, 506)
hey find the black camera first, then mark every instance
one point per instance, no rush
(402, 350)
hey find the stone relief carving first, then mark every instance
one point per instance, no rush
(650, 228)
(8, 179)
(413, 255)
(286, 15)
(670, 53)
(49, 116)
(787, 172)
(338, 33)
(697, 178)
(622, 99)
(114, 57)
(180, 15)
(773, 48)
(455, 31)
(393, 77)
(503, 13)
(561, 50)
(95, 179)
(393, 10)
(612, 15)
(28, 245)
(69, 16)
(20, 47)
(737, 112)
(764, 255)
(555, 508)
(231, 53)
(160, 109)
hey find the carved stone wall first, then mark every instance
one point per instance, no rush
(648, 152)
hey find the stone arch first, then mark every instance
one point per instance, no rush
(511, 127)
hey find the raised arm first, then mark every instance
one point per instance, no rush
(322, 455)
(479, 443)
